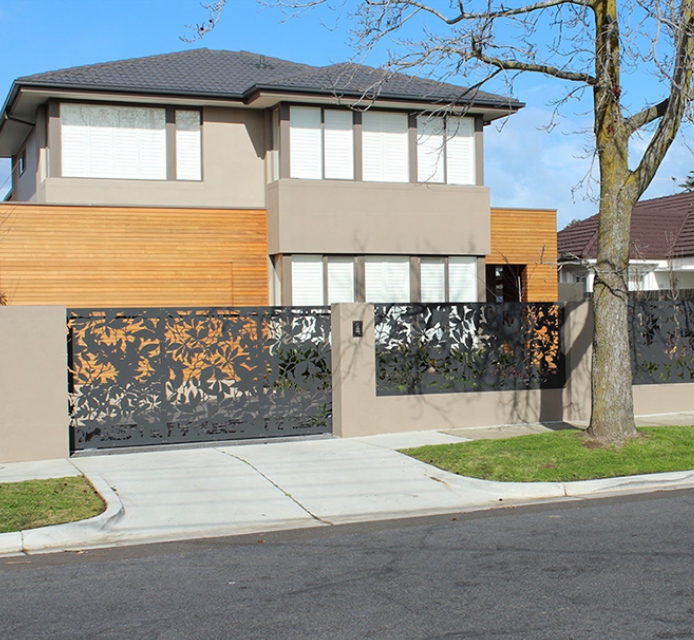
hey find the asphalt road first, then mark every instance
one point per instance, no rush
(607, 569)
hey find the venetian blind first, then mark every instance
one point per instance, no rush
(384, 142)
(433, 279)
(387, 278)
(113, 142)
(305, 147)
(340, 279)
(307, 280)
(339, 145)
(430, 137)
(460, 151)
(188, 146)
(462, 279)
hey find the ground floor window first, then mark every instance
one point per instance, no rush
(317, 280)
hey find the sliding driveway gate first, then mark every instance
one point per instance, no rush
(153, 376)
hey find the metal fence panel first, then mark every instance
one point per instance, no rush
(150, 376)
(451, 348)
(662, 341)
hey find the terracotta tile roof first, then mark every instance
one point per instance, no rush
(660, 228)
(234, 74)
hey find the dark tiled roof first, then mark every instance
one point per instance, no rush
(660, 228)
(233, 74)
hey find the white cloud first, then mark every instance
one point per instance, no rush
(529, 167)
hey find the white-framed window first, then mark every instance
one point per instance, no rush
(432, 277)
(387, 278)
(188, 145)
(462, 279)
(340, 279)
(456, 275)
(446, 150)
(113, 142)
(321, 143)
(307, 280)
(385, 147)
(22, 163)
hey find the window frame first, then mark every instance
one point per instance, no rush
(170, 162)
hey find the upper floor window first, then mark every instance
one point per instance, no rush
(446, 150)
(188, 146)
(101, 141)
(385, 147)
(22, 163)
(113, 142)
(321, 143)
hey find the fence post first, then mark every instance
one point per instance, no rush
(34, 421)
(354, 368)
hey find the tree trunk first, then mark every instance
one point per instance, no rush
(612, 406)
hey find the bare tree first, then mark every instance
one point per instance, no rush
(578, 42)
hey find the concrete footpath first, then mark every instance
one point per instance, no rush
(235, 488)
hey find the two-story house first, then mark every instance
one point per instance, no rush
(219, 177)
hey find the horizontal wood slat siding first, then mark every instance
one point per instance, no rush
(127, 256)
(527, 237)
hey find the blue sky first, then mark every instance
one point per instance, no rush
(525, 166)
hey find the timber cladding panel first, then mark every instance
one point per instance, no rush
(527, 237)
(132, 257)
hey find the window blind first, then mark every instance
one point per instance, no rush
(433, 279)
(430, 145)
(305, 147)
(339, 144)
(462, 279)
(188, 146)
(460, 150)
(307, 280)
(385, 148)
(340, 279)
(387, 278)
(113, 142)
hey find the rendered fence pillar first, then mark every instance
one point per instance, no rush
(578, 343)
(33, 384)
(354, 369)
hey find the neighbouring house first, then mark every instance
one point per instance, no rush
(662, 247)
(217, 178)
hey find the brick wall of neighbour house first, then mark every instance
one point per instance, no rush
(81, 256)
(527, 237)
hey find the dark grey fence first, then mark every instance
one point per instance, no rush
(662, 341)
(448, 348)
(149, 376)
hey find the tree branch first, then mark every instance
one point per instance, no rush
(485, 15)
(681, 93)
(648, 115)
(518, 65)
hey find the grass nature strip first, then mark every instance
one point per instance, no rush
(562, 456)
(39, 503)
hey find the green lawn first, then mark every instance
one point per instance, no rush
(38, 503)
(563, 456)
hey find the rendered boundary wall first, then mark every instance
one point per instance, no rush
(34, 421)
(33, 384)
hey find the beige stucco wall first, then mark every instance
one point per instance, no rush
(24, 186)
(336, 216)
(358, 411)
(233, 167)
(33, 384)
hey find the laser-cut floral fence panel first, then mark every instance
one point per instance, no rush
(151, 376)
(450, 348)
(662, 341)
